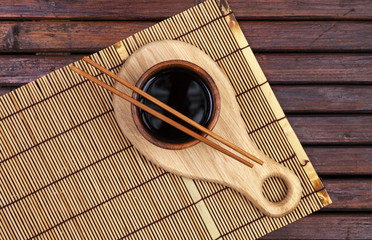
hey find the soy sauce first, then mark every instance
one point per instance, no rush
(183, 90)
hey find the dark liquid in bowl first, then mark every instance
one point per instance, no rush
(183, 90)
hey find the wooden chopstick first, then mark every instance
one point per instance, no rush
(160, 116)
(173, 111)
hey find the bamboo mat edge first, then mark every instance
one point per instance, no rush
(274, 103)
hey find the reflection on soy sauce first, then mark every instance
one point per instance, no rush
(183, 90)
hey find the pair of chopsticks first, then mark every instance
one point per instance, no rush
(169, 109)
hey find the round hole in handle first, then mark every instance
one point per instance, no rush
(291, 199)
(274, 189)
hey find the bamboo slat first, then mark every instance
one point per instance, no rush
(67, 171)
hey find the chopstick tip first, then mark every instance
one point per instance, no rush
(73, 68)
(86, 59)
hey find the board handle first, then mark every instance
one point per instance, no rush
(292, 198)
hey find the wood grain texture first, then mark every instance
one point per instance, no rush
(5, 90)
(325, 99)
(295, 9)
(334, 129)
(65, 35)
(316, 68)
(309, 36)
(292, 68)
(340, 160)
(349, 194)
(262, 35)
(33, 67)
(108, 9)
(327, 226)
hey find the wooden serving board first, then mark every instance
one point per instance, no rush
(201, 161)
(67, 170)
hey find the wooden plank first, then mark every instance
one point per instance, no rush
(340, 99)
(333, 129)
(327, 226)
(65, 36)
(293, 9)
(5, 90)
(308, 36)
(262, 35)
(339, 160)
(108, 9)
(295, 68)
(349, 194)
(319, 68)
(17, 70)
(256, 9)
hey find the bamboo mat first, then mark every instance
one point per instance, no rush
(67, 170)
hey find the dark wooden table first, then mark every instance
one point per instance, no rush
(316, 54)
